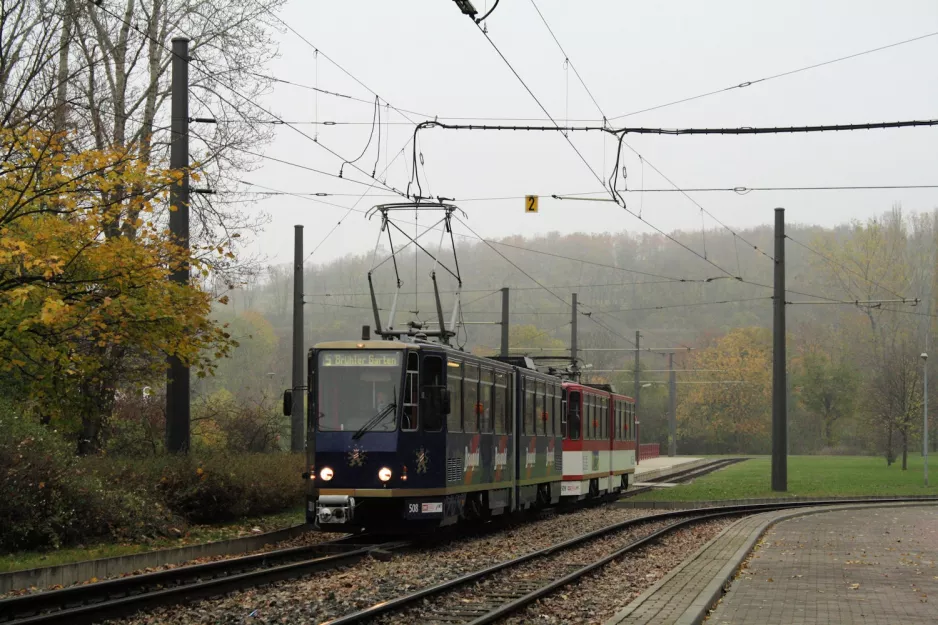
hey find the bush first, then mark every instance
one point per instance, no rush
(50, 500)
(137, 424)
(223, 421)
(215, 487)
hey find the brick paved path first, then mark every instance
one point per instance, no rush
(866, 566)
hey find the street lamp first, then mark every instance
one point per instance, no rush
(925, 437)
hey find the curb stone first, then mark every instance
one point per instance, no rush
(102, 568)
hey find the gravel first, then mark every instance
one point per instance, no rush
(597, 597)
(525, 577)
(327, 595)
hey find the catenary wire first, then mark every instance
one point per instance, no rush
(741, 190)
(688, 305)
(331, 60)
(601, 182)
(663, 278)
(567, 58)
(490, 243)
(249, 100)
(575, 196)
(835, 263)
(748, 83)
(541, 106)
(512, 288)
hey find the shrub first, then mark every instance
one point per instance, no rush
(214, 487)
(223, 421)
(137, 424)
(50, 500)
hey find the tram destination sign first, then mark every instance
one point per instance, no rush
(361, 359)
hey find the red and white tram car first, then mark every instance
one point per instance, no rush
(599, 442)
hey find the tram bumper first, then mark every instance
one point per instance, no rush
(335, 509)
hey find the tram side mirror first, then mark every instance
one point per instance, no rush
(287, 403)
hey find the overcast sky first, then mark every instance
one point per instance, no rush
(425, 56)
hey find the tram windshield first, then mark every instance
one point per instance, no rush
(356, 386)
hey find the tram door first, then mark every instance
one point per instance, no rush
(421, 435)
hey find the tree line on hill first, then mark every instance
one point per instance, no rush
(854, 346)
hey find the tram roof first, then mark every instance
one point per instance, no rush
(366, 345)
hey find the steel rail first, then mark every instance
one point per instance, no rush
(516, 603)
(91, 602)
(680, 476)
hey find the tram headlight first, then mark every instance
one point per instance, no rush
(384, 474)
(325, 474)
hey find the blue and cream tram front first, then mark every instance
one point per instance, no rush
(375, 434)
(417, 434)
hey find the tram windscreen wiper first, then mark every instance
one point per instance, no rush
(375, 420)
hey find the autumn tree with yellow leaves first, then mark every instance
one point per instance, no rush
(730, 410)
(86, 306)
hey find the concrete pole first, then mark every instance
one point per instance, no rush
(638, 394)
(505, 325)
(925, 439)
(177, 380)
(779, 374)
(672, 407)
(297, 438)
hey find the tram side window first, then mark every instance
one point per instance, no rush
(626, 429)
(604, 418)
(574, 416)
(538, 407)
(585, 417)
(624, 421)
(599, 409)
(598, 422)
(500, 402)
(623, 433)
(470, 398)
(595, 420)
(556, 416)
(631, 422)
(432, 374)
(633, 425)
(454, 384)
(527, 408)
(485, 401)
(410, 414)
(549, 410)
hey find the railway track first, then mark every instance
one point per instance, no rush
(119, 597)
(681, 476)
(89, 603)
(492, 593)
(94, 602)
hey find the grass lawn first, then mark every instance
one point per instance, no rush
(196, 534)
(808, 476)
